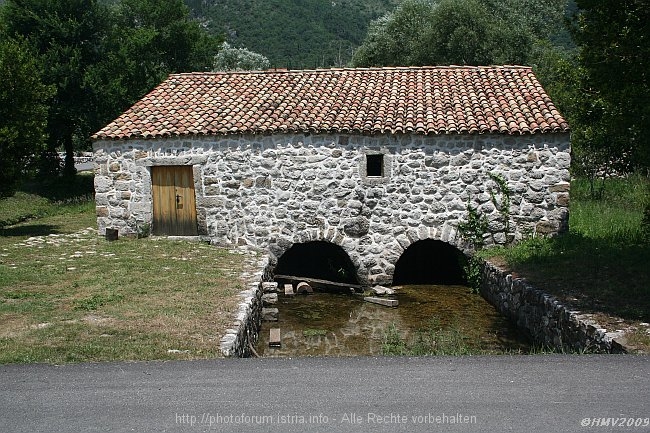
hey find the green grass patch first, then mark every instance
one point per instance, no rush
(38, 199)
(434, 339)
(80, 298)
(68, 295)
(78, 342)
(97, 300)
(601, 265)
(309, 332)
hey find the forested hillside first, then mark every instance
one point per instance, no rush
(295, 34)
(70, 66)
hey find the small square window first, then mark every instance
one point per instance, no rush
(375, 165)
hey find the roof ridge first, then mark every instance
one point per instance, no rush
(351, 69)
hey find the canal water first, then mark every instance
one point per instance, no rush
(342, 324)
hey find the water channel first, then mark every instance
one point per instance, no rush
(343, 324)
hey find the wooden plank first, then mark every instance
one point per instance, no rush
(157, 197)
(274, 338)
(167, 201)
(185, 206)
(382, 301)
(315, 281)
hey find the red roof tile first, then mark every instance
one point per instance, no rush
(420, 100)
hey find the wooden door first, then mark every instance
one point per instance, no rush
(174, 204)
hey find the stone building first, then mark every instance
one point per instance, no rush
(370, 160)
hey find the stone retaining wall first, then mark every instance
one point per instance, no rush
(543, 317)
(245, 329)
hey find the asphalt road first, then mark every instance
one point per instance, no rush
(547, 393)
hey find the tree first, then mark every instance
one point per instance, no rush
(238, 59)
(67, 35)
(613, 37)
(466, 32)
(396, 38)
(544, 19)
(23, 112)
(102, 57)
(564, 80)
(148, 40)
(294, 33)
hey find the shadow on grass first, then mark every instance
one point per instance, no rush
(608, 275)
(39, 198)
(29, 230)
(63, 189)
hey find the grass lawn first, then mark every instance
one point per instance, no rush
(67, 295)
(602, 266)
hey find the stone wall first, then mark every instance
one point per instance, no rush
(243, 333)
(543, 317)
(274, 191)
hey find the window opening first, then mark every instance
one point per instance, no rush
(375, 165)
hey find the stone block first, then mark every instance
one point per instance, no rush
(211, 190)
(560, 187)
(103, 184)
(269, 299)
(269, 286)
(275, 337)
(562, 199)
(270, 314)
(382, 291)
(122, 185)
(382, 301)
(546, 228)
(357, 227)
(288, 290)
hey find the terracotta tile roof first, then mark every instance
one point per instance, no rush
(421, 100)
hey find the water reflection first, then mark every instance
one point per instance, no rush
(330, 324)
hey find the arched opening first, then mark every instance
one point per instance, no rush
(317, 259)
(430, 262)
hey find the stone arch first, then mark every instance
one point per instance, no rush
(394, 249)
(331, 245)
(317, 259)
(430, 261)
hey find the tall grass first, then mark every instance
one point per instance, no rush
(434, 339)
(616, 216)
(602, 263)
